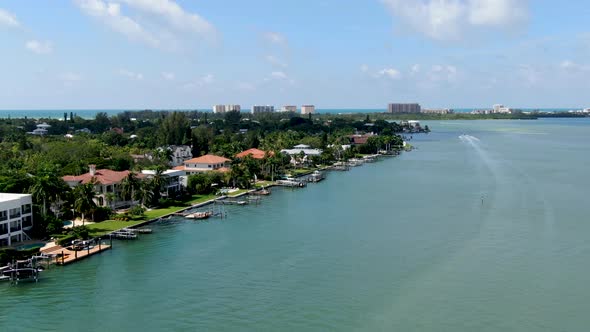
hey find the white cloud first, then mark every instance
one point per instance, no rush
(273, 60)
(39, 47)
(175, 16)
(275, 38)
(452, 19)
(9, 19)
(279, 75)
(202, 81)
(168, 76)
(573, 66)
(446, 73)
(415, 69)
(131, 75)
(497, 12)
(364, 68)
(110, 14)
(390, 73)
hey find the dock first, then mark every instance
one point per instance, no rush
(65, 256)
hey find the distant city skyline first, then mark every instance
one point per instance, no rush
(181, 54)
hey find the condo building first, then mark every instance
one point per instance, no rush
(262, 109)
(16, 217)
(403, 108)
(307, 109)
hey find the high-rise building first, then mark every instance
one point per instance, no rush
(218, 109)
(307, 109)
(230, 108)
(262, 109)
(289, 108)
(16, 217)
(403, 108)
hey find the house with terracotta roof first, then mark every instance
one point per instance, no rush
(205, 163)
(254, 153)
(105, 181)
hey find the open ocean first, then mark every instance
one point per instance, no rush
(89, 114)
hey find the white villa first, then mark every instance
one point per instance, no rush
(296, 151)
(177, 179)
(106, 181)
(205, 163)
(16, 217)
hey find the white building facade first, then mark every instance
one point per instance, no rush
(232, 108)
(289, 108)
(218, 109)
(16, 217)
(307, 109)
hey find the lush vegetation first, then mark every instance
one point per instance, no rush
(137, 141)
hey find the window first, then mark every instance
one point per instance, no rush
(3, 229)
(27, 221)
(3, 215)
(15, 213)
(26, 208)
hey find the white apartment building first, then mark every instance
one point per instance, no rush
(218, 109)
(499, 108)
(289, 108)
(231, 108)
(307, 109)
(16, 217)
(262, 109)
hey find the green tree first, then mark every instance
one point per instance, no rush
(84, 199)
(173, 129)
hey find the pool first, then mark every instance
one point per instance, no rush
(30, 246)
(67, 223)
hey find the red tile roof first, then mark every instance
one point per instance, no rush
(102, 176)
(254, 153)
(207, 159)
(179, 168)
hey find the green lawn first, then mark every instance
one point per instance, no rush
(108, 226)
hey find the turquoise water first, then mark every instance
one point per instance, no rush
(405, 244)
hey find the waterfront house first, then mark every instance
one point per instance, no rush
(16, 218)
(107, 184)
(205, 163)
(360, 139)
(301, 153)
(175, 180)
(254, 153)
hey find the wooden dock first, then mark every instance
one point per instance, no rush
(65, 256)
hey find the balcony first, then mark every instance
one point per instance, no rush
(14, 215)
(15, 229)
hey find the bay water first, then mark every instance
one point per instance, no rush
(483, 227)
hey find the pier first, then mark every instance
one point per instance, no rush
(67, 255)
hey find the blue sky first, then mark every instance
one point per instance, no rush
(332, 53)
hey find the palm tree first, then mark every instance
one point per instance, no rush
(158, 182)
(84, 199)
(144, 193)
(47, 189)
(129, 186)
(110, 198)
